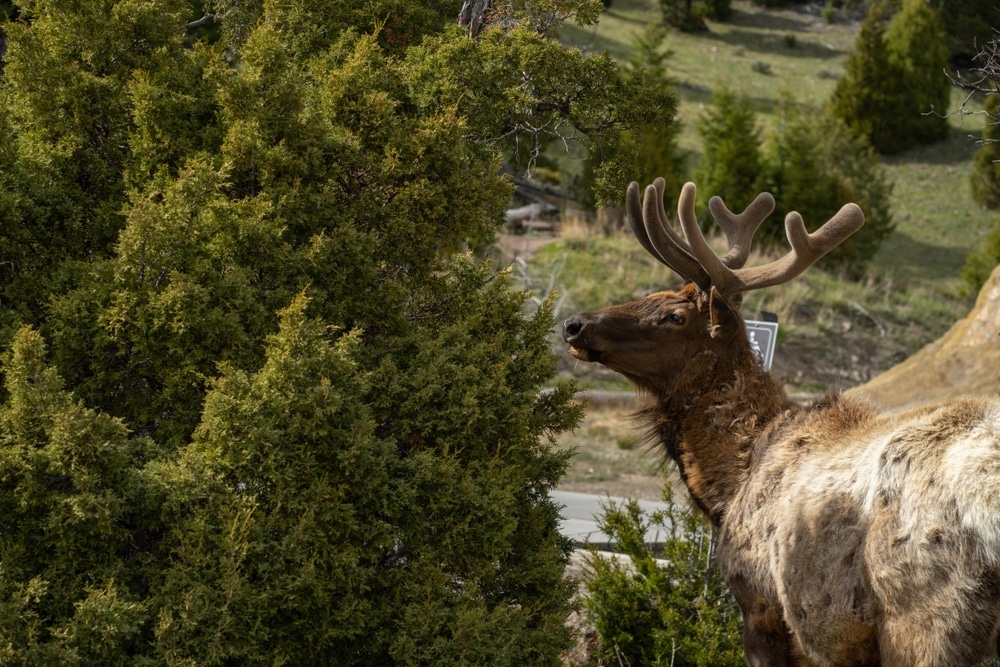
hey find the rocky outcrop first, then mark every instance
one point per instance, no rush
(965, 361)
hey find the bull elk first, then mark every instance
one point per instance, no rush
(847, 536)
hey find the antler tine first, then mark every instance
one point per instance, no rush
(653, 230)
(806, 250)
(740, 228)
(635, 215)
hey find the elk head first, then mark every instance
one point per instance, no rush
(673, 338)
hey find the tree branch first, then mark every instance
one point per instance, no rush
(200, 22)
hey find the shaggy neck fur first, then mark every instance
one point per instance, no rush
(712, 426)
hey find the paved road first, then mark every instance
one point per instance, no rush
(579, 512)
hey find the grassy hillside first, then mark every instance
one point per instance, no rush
(835, 333)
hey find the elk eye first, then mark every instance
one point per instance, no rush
(674, 318)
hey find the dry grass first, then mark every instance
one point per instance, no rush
(607, 460)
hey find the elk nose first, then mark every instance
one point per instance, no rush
(572, 327)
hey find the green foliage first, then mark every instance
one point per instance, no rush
(656, 145)
(282, 419)
(72, 521)
(915, 38)
(812, 164)
(895, 91)
(981, 262)
(690, 15)
(732, 165)
(595, 120)
(815, 165)
(663, 608)
(64, 91)
(653, 145)
(968, 24)
(985, 178)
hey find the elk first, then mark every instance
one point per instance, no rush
(848, 537)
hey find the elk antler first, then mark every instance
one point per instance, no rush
(695, 260)
(806, 250)
(651, 227)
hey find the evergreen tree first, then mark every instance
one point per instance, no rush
(894, 81)
(814, 165)
(986, 162)
(732, 165)
(279, 420)
(690, 15)
(73, 522)
(654, 145)
(866, 97)
(916, 40)
(967, 23)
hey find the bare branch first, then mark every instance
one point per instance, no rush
(200, 22)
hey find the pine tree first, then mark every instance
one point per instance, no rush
(657, 147)
(866, 98)
(690, 15)
(732, 164)
(915, 39)
(894, 91)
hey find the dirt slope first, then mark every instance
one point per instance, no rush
(966, 360)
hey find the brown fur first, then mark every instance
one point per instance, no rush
(848, 537)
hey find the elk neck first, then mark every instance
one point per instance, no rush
(712, 426)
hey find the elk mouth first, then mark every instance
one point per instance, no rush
(583, 354)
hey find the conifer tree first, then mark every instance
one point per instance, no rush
(690, 15)
(657, 147)
(866, 98)
(814, 165)
(895, 90)
(732, 162)
(652, 147)
(279, 420)
(916, 39)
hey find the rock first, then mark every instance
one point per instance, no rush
(963, 362)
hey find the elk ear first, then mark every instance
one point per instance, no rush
(725, 314)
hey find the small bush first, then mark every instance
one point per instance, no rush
(980, 263)
(668, 607)
(986, 163)
(829, 13)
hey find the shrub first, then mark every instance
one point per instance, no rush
(985, 179)
(815, 165)
(689, 15)
(280, 418)
(668, 607)
(981, 262)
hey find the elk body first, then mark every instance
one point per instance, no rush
(847, 536)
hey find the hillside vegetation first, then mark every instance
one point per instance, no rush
(836, 333)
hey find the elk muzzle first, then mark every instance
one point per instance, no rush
(575, 333)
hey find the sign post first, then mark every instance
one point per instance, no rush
(763, 337)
